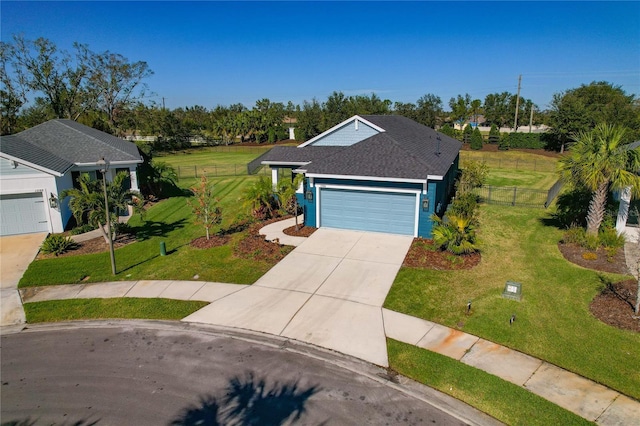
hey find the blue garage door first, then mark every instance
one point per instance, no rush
(22, 214)
(392, 213)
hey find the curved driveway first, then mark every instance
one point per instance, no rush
(150, 373)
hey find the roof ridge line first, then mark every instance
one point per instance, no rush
(60, 120)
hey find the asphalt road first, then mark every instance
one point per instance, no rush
(156, 373)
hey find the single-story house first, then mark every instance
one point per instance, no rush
(36, 165)
(381, 173)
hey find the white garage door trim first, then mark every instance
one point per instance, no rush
(417, 193)
(40, 222)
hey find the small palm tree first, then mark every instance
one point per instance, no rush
(287, 195)
(260, 198)
(456, 234)
(600, 161)
(88, 200)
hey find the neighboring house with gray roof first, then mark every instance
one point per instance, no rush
(381, 173)
(36, 165)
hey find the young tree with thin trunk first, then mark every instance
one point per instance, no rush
(600, 161)
(205, 206)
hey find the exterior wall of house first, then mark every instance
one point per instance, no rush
(62, 183)
(347, 135)
(23, 179)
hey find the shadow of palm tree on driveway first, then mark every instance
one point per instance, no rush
(249, 401)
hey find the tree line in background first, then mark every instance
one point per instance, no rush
(106, 91)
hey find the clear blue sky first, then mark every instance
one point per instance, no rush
(209, 53)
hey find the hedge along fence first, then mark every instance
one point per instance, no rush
(523, 140)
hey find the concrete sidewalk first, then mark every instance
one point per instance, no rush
(274, 230)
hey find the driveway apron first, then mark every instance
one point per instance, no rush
(16, 253)
(329, 292)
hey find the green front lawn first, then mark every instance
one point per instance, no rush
(553, 319)
(169, 221)
(121, 308)
(504, 401)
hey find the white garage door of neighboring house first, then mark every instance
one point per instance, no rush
(22, 214)
(389, 212)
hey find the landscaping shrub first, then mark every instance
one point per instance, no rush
(57, 244)
(82, 229)
(466, 134)
(609, 238)
(589, 255)
(476, 139)
(523, 140)
(494, 134)
(575, 235)
(464, 205)
(455, 234)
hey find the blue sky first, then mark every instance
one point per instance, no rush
(209, 53)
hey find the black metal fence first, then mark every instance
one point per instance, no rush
(255, 165)
(215, 170)
(512, 196)
(514, 164)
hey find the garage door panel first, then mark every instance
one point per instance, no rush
(22, 214)
(368, 210)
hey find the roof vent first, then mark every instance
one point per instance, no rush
(438, 145)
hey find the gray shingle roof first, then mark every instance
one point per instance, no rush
(58, 144)
(295, 155)
(405, 150)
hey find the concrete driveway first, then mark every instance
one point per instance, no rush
(329, 292)
(16, 253)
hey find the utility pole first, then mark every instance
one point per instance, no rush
(163, 101)
(515, 123)
(531, 118)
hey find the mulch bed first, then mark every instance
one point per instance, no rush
(303, 231)
(213, 241)
(614, 305)
(254, 246)
(615, 264)
(423, 254)
(96, 245)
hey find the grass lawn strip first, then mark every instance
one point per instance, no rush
(553, 321)
(118, 308)
(169, 221)
(504, 401)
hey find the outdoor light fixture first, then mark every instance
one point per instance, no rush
(103, 166)
(425, 205)
(53, 202)
(308, 195)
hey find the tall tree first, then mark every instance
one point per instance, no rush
(496, 108)
(335, 110)
(475, 109)
(600, 161)
(12, 94)
(309, 120)
(115, 83)
(59, 77)
(460, 108)
(429, 110)
(581, 109)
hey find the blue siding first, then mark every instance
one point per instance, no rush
(7, 169)
(347, 135)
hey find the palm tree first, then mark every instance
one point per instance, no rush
(600, 161)
(88, 200)
(456, 234)
(260, 198)
(287, 195)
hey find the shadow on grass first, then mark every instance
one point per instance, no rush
(156, 229)
(249, 401)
